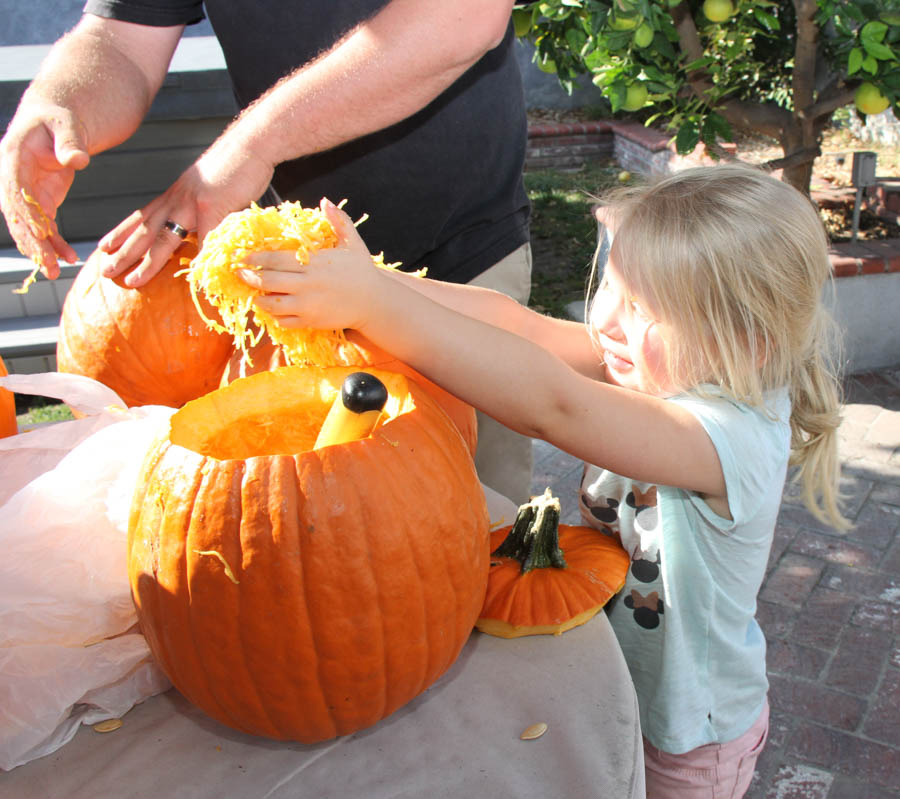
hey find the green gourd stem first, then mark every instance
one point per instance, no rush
(534, 537)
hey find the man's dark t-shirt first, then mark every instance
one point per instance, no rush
(442, 189)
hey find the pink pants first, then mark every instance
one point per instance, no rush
(714, 771)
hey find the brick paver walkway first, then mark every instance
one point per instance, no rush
(830, 608)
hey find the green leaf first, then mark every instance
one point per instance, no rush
(721, 126)
(873, 31)
(687, 138)
(870, 65)
(879, 51)
(576, 39)
(767, 20)
(854, 60)
(700, 63)
(854, 12)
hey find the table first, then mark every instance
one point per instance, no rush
(460, 738)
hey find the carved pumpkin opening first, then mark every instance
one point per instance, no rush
(271, 414)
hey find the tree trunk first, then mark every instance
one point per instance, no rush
(797, 138)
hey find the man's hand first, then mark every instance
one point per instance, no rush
(39, 154)
(226, 178)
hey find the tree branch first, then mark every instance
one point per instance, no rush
(830, 100)
(768, 119)
(804, 156)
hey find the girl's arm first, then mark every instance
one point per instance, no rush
(513, 378)
(568, 340)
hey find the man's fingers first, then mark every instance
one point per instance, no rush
(153, 261)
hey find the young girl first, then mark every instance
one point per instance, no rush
(703, 367)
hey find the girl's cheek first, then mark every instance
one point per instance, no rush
(653, 356)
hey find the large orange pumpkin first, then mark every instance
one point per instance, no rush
(149, 344)
(8, 424)
(301, 593)
(548, 577)
(358, 351)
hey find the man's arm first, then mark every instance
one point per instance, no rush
(383, 71)
(91, 93)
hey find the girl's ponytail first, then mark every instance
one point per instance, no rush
(815, 418)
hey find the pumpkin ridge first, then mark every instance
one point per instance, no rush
(133, 386)
(313, 690)
(449, 469)
(305, 480)
(250, 473)
(160, 353)
(198, 501)
(354, 471)
(388, 704)
(422, 574)
(157, 592)
(199, 630)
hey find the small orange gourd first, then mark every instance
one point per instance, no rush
(149, 344)
(301, 593)
(8, 424)
(546, 578)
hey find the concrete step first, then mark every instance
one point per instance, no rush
(29, 322)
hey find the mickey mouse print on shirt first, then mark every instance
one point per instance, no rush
(629, 510)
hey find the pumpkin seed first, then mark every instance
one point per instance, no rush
(107, 726)
(534, 731)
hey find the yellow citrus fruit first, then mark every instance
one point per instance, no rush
(718, 10)
(643, 35)
(869, 99)
(620, 22)
(635, 97)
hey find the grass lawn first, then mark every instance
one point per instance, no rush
(563, 231)
(38, 410)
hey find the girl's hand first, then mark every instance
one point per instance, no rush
(335, 290)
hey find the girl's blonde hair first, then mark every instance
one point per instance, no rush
(733, 263)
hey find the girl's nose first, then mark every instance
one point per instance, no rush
(605, 314)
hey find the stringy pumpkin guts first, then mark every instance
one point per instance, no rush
(39, 231)
(288, 226)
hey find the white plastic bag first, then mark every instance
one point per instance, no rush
(70, 652)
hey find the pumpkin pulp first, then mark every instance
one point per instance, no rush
(546, 578)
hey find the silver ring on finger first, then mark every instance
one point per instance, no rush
(174, 227)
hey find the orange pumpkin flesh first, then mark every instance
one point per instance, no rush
(8, 424)
(300, 594)
(150, 344)
(359, 351)
(577, 571)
